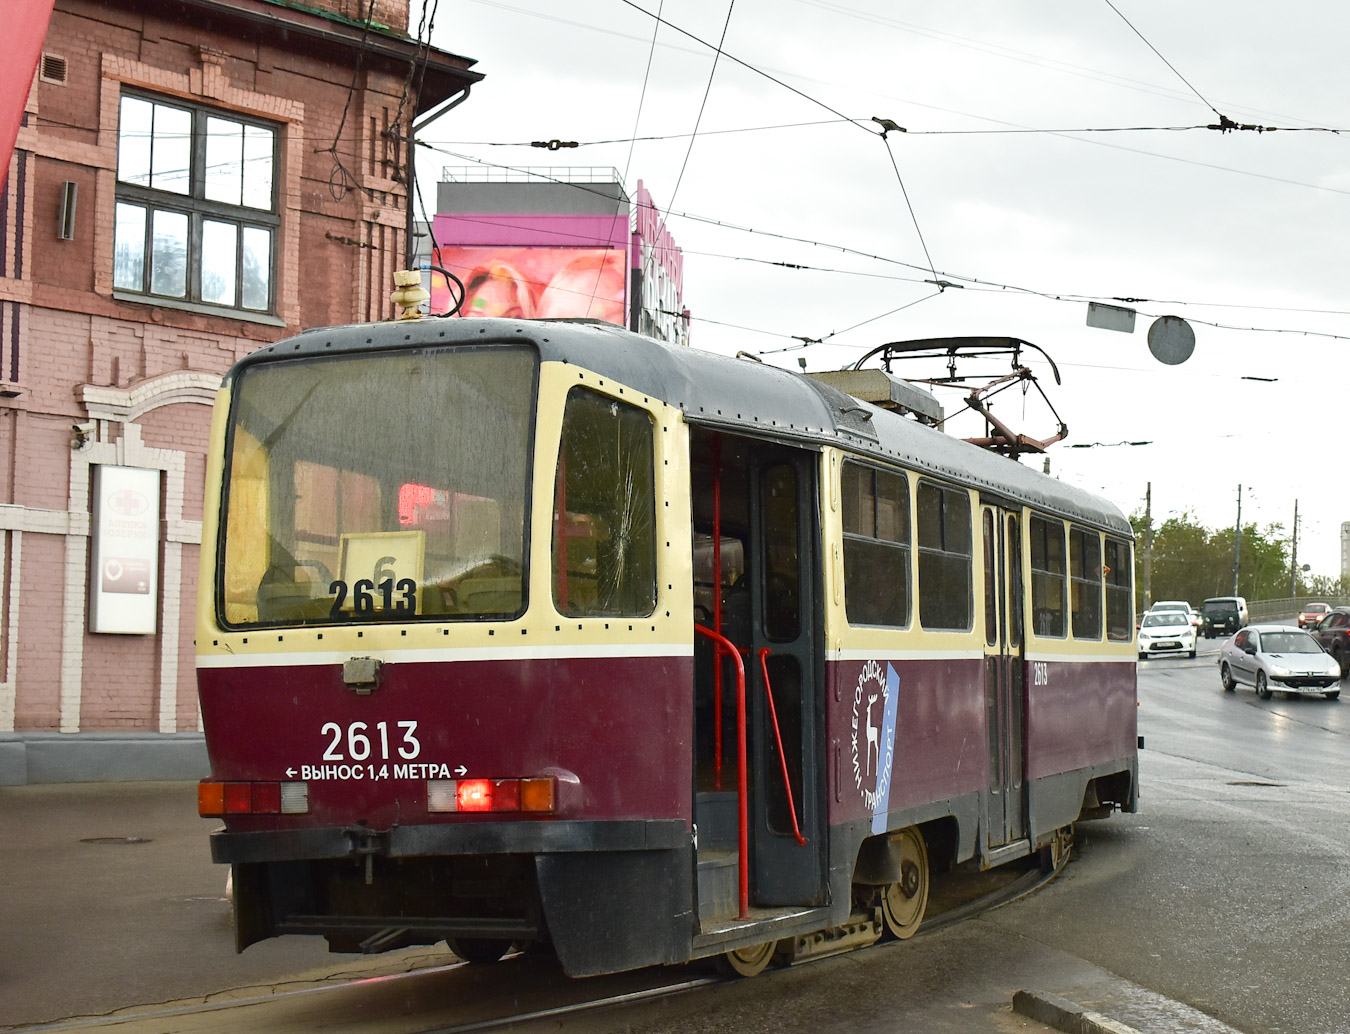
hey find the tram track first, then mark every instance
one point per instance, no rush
(154, 1017)
(1027, 883)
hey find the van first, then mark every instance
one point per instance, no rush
(1224, 615)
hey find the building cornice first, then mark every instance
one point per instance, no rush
(300, 26)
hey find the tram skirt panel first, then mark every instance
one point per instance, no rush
(616, 910)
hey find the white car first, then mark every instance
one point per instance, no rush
(1160, 605)
(1166, 631)
(1278, 659)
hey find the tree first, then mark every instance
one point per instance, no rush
(1323, 585)
(1192, 562)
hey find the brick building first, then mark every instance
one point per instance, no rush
(193, 179)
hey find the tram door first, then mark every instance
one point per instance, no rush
(786, 848)
(759, 502)
(1005, 676)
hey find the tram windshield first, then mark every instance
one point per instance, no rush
(387, 487)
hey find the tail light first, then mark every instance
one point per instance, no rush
(494, 795)
(218, 799)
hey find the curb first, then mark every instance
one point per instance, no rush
(1065, 1015)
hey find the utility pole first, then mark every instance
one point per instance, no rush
(1148, 546)
(1293, 557)
(1237, 543)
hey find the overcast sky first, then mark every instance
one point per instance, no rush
(1241, 229)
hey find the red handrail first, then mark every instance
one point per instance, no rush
(778, 738)
(723, 644)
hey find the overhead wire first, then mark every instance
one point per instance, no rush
(806, 96)
(1164, 60)
(971, 282)
(632, 146)
(340, 180)
(707, 91)
(646, 139)
(405, 170)
(659, 20)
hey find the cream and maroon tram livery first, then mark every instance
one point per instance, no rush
(546, 633)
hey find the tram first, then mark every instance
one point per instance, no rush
(518, 633)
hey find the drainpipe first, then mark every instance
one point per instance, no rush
(414, 128)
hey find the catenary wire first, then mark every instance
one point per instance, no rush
(1164, 60)
(707, 92)
(973, 283)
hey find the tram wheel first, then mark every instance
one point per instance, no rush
(746, 962)
(479, 951)
(904, 901)
(1056, 852)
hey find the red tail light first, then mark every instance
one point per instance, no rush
(497, 795)
(218, 799)
(474, 795)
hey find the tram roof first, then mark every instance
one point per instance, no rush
(738, 395)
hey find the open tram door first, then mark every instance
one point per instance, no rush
(1005, 818)
(756, 584)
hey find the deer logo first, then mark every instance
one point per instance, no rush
(873, 747)
(872, 730)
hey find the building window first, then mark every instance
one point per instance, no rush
(944, 557)
(196, 218)
(876, 546)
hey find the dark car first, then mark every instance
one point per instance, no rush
(1334, 634)
(1223, 615)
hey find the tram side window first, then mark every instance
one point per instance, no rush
(876, 546)
(1119, 573)
(944, 536)
(1047, 576)
(1085, 583)
(604, 527)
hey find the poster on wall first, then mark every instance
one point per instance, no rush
(124, 551)
(535, 283)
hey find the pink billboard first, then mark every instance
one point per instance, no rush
(20, 46)
(535, 282)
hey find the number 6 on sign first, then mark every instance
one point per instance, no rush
(383, 570)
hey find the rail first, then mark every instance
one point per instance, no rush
(1287, 609)
(531, 173)
(724, 645)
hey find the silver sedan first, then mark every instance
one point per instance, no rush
(1278, 659)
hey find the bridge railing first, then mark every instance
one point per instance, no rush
(1287, 609)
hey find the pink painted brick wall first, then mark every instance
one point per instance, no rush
(335, 249)
(38, 704)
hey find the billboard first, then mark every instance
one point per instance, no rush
(20, 47)
(534, 282)
(124, 559)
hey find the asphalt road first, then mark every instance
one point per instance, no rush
(1230, 889)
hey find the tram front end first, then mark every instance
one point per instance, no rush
(441, 693)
